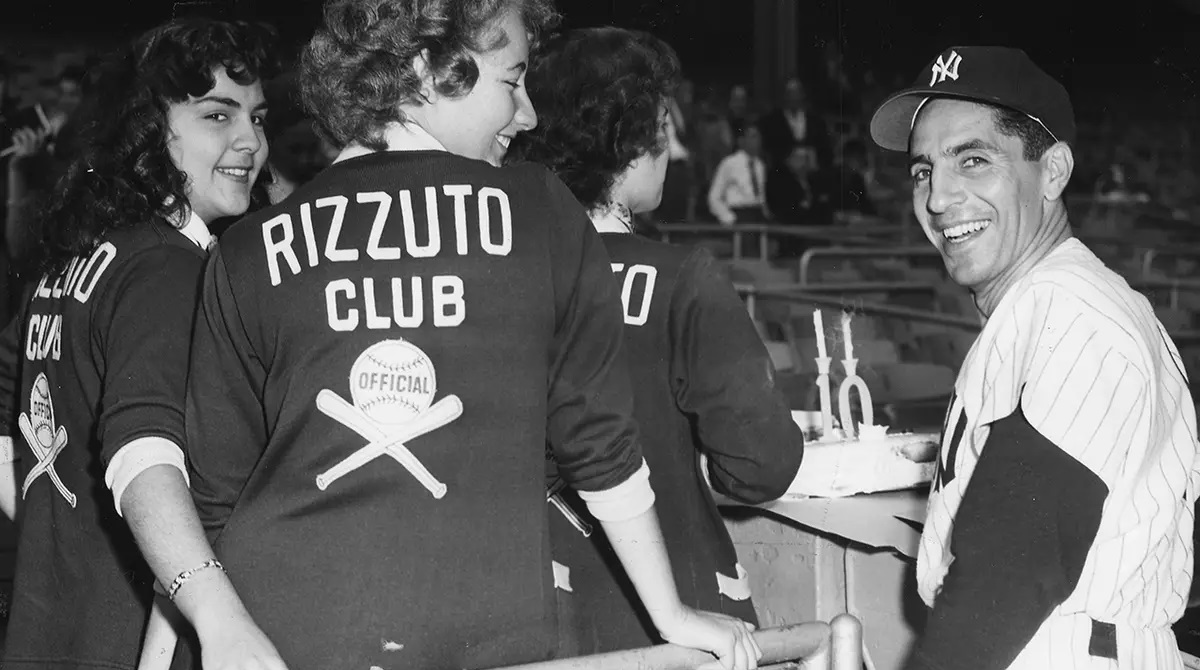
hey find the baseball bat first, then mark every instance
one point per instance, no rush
(60, 443)
(27, 429)
(438, 415)
(397, 450)
(441, 413)
(45, 459)
(31, 438)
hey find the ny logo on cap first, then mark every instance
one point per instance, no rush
(945, 68)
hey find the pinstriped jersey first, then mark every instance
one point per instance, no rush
(1096, 374)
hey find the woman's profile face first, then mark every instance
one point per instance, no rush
(482, 123)
(217, 140)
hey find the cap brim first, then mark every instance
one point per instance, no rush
(892, 122)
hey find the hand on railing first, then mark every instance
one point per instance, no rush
(730, 639)
(806, 642)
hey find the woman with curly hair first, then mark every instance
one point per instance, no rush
(704, 383)
(382, 357)
(93, 373)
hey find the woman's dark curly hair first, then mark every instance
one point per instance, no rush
(358, 68)
(598, 93)
(121, 173)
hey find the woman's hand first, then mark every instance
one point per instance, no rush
(730, 639)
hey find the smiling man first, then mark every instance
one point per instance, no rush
(1059, 528)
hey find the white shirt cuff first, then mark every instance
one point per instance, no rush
(7, 453)
(623, 501)
(138, 456)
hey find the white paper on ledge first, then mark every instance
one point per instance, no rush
(831, 482)
(874, 519)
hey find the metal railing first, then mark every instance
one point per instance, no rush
(860, 287)
(872, 235)
(807, 296)
(752, 293)
(749, 292)
(859, 252)
(866, 235)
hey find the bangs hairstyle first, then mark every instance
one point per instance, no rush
(599, 94)
(358, 68)
(121, 174)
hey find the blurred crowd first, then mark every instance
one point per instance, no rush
(37, 140)
(795, 155)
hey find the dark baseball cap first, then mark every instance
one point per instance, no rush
(996, 75)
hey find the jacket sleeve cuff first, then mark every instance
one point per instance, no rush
(623, 501)
(138, 456)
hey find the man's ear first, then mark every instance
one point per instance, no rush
(1057, 165)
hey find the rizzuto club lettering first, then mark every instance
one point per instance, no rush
(43, 337)
(481, 222)
(637, 291)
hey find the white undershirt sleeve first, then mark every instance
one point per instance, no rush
(623, 501)
(138, 456)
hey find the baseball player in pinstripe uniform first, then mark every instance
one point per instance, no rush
(1059, 529)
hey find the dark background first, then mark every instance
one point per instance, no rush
(1149, 50)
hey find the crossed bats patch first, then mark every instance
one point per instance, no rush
(45, 438)
(392, 386)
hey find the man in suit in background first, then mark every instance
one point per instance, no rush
(796, 122)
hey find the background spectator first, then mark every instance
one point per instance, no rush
(795, 124)
(737, 193)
